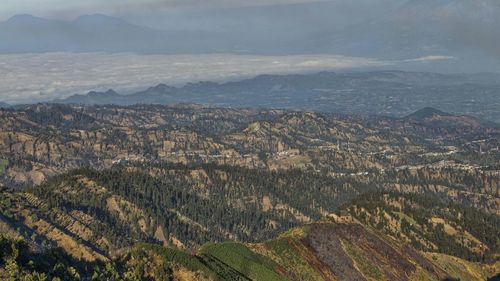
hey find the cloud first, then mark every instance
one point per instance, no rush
(42, 77)
(430, 59)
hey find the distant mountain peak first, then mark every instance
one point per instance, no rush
(97, 17)
(427, 112)
(109, 92)
(437, 118)
(161, 88)
(24, 18)
(100, 19)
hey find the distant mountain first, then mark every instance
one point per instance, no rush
(419, 28)
(411, 33)
(427, 112)
(4, 105)
(438, 118)
(392, 93)
(108, 97)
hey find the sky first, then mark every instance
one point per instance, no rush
(64, 9)
(282, 35)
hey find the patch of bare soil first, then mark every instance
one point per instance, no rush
(393, 264)
(326, 243)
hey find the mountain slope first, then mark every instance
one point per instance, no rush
(166, 180)
(427, 112)
(459, 162)
(346, 250)
(341, 250)
(186, 207)
(108, 97)
(420, 28)
(430, 224)
(439, 119)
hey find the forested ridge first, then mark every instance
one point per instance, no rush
(188, 205)
(431, 224)
(195, 193)
(203, 203)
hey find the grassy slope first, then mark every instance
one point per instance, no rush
(241, 259)
(431, 225)
(298, 254)
(464, 270)
(3, 164)
(294, 254)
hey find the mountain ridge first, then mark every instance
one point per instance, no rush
(144, 188)
(358, 92)
(337, 247)
(426, 112)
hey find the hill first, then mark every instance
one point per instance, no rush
(320, 251)
(92, 214)
(437, 118)
(176, 204)
(429, 224)
(40, 141)
(108, 97)
(392, 93)
(196, 192)
(427, 112)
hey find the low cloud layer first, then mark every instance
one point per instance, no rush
(43, 77)
(430, 59)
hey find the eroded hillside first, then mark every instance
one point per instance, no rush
(457, 154)
(334, 249)
(143, 189)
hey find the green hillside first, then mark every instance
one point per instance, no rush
(327, 250)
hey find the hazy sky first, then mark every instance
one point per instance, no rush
(68, 9)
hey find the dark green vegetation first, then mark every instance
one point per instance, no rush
(430, 224)
(3, 165)
(320, 251)
(95, 215)
(196, 204)
(19, 261)
(241, 259)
